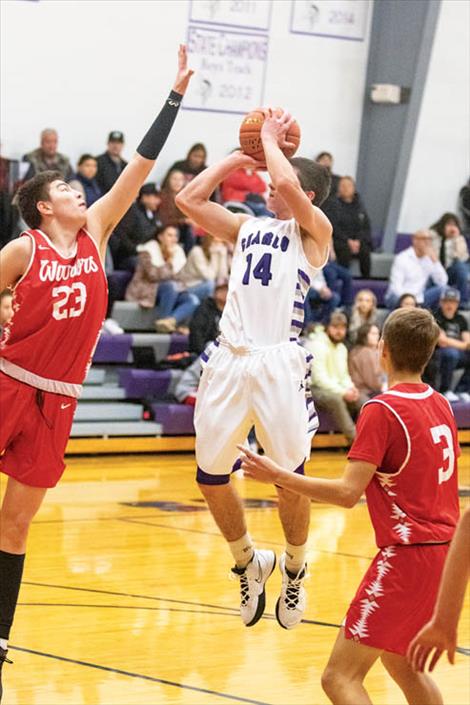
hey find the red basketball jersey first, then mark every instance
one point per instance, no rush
(59, 306)
(409, 432)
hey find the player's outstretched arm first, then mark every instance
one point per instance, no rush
(345, 491)
(284, 179)
(104, 215)
(194, 201)
(440, 634)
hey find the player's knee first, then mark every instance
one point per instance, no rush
(15, 527)
(330, 680)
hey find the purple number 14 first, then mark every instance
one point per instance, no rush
(261, 271)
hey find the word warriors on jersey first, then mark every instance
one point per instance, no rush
(51, 270)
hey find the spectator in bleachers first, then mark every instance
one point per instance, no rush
(205, 264)
(320, 301)
(111, 163)
(451, 248)
(6, 307)
(339, 279)
(169, 213)
(246, 186)
(332, 387)
(454, 345)
(138, 226)
(46, 157)
(84, 179)
(194, 163)
(363, 311)
(363, 362)
(407, 301)
(464, 203)
(326, 160)
(188, 384)
(204, 325)
(351, 226)
(8, 212)
(413, 269)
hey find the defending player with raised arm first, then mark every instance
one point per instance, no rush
(440, 633)
(404, 459)
(55, 270)
(255, 372)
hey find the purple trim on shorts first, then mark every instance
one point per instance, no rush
(203, 478)
(304, 276)
(298, 304)
(301, 469)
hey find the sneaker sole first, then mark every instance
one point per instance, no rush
(278, 619)
(261, 600)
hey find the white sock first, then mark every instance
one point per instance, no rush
(3, 644)
(242, 550)
(295, 557)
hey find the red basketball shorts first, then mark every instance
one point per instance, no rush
(396, 596)
(34, 430)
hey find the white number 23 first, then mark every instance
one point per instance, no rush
(69, 301)
(448, 453)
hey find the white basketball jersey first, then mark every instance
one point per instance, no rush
(269, 280)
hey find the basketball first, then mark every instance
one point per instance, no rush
(250, 135)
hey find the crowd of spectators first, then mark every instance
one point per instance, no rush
(180, 273)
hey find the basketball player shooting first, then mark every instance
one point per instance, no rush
(404, 458)
(256, 372)
(60, 294)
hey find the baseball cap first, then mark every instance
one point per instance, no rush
(149, 189)
(116, 136)
(450, 294)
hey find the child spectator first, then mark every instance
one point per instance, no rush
(407, 301)
(204, 325)
(364, 311)
(363, 361)
(453, 346)
(84, 179)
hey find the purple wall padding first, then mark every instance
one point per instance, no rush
(178, 344)
(378, 286)
(461, 411)
(176, 419)
(403, 240)
(113, 348)
(144, 383)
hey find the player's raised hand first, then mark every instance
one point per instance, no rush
(184, 73)
(259, 467)
(241, 160)
(432, 640)
(275, 127)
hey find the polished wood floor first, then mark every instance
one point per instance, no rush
(126, 596)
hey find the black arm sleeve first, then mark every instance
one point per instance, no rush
(152, 144)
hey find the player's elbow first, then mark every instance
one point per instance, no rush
(349, 497)
(181, 200)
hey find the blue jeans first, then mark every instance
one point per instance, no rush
(458, 274)
(318, 309)
(181, 305)
(339, 279)
(451, 360)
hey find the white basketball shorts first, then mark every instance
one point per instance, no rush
(268, 388)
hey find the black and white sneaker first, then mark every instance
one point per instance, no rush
(252, 581)
(3, 659)
(291, 604)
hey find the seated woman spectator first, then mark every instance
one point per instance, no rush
(351, 226)
(84, 179)
(169, 213)
(205, 263)
(155, 281)
(246, 186)
(363, 311)
(407, 301)
(363, 361)
(194, 163)
(451, 247)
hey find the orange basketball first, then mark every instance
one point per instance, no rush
(250, 135)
